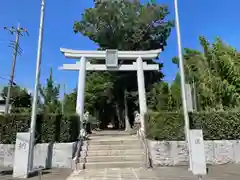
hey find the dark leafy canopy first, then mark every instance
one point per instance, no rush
(19, 97)
(122, 25)
(126, 25)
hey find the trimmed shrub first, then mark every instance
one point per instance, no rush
(11, 124)
(170, 126)
(164, 126)
(49, 128)
(69, 128)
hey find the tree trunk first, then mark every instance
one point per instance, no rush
(118, 115)
(127, 124)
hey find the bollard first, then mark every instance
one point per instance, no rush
(40, 174)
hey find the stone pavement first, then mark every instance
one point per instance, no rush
(226, 172)
(223, 172)
(51, 174)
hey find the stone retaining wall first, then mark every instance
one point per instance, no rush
(171, 153)
(45, 155)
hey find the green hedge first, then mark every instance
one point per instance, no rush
(215, 125)
(49, 128)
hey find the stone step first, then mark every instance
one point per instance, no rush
(113, 147)
(116, 152)
(122, 164)
(110, 133)
(114, 158)
(99, 138)
(113, 142)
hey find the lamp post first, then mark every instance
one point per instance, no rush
(183, 89)
(36, 88)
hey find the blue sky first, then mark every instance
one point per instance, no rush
(210, 18)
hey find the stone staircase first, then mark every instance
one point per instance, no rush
(114, 151)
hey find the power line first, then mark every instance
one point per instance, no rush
(8, 80)
(16, 50)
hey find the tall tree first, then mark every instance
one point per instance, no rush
(70, 102)
(19, 98)
(215, 72)
(50, 96)
(175, 94)
(158, 97)
(165, 97)
(124, 25)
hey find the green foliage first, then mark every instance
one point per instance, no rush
(158, 97)
(215, 125)
(98, 91)
(50, 96)
(49, 128)
(19, 98)
(126, 25)
(165, 97)
(216, 74)
(11, 124)
(70, 102)
(164, 126)
(175, 94)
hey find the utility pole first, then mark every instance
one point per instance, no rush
(183, 83)
(36, 88)
(16, 50)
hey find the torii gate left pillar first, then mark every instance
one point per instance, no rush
(111, 57)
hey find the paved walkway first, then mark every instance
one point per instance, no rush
(229, 172)
(226, 172)
(52, 174)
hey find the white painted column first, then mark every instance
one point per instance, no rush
(81, 90)
(141, 91)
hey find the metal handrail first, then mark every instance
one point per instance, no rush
(79, 145)
(78, 150)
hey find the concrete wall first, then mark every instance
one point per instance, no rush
(45, 155)
(170, 153)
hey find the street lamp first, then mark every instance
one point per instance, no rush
(183, 89)
(36, 88)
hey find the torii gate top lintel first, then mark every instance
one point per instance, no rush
(125, 55)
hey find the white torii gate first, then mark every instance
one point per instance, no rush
(111, 58)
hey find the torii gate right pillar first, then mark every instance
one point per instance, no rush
(81, 90)
(141, 92)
